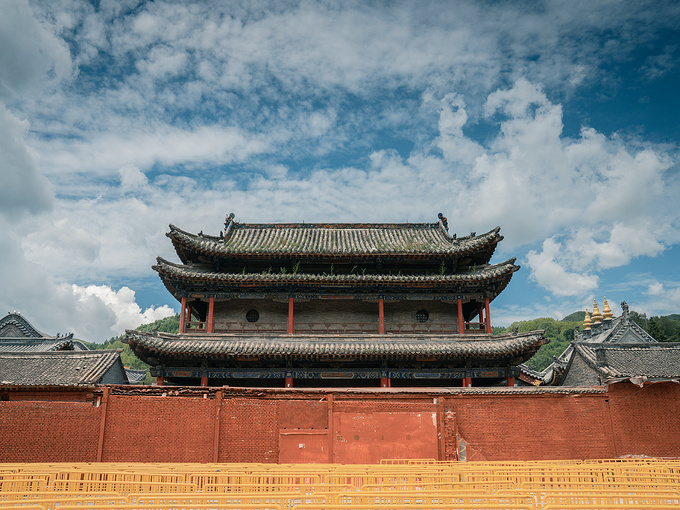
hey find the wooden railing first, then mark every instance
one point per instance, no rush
(330, 328)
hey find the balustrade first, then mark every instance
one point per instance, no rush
(329, 328)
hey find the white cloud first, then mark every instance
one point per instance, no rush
(93, 313)
(662, 298)
(115, 309)
(31, 55)
(22, 187)
(548, 271)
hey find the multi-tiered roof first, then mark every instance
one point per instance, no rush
(361, 262)
(349, 258)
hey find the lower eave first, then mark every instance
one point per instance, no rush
(164, 346)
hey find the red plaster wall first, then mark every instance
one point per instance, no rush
(158, 429)
(647, 418)
(33, 431)
(365, 432)
(534, 427)
(249, 430)
(270, 426)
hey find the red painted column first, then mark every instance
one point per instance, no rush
(289, 382)
(481, 317)
(211, 312)
(204, 380)
(488, 316)
(460, 316)
(381, 316)
(511, 381)
(188, 321)
(291, 321)
(102, 424)
(467, 382)
(159, 380)
(183, 315)
(385, 382)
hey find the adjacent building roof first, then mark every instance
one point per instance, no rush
(135, 376)
(197, 346)
(596, 364)
(332, 240)
(19, 335)
(610, 350)
(67, 368)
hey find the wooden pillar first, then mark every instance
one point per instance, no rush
(488, 316)
(460, 316)
(511, 381)
(204, 381)
(467, 382)
(188, 321)
(102, 423)
(480, 309)
(211, 314)
(291, 320)
(385, 382)
(159, 381)
(381, 316)
(183, 315)
(289, 382)
(216, 437)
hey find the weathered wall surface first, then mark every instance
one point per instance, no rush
(646, 419)
(231, 425)
(43, 431)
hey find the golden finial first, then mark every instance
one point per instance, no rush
(587, 322)
(606, 311)
(597, 316)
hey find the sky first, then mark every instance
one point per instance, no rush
(555, 120)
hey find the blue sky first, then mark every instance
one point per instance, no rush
(557, 121)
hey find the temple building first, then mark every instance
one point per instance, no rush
(19, 335)
(609, 350)
(32, 358)
(328, 304)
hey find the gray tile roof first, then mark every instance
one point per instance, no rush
(14, 325)
(480, 274)
(657, 360)
(332, 346)
(347, 239)
(35, 345)
(621, 330)
(135, 376)
(61, 368)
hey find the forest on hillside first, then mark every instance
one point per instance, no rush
(560, 332)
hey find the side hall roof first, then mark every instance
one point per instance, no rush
(197, 346)
(70, 368)
(329, 240)
(14, 325)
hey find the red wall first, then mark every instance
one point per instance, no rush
(232, 425)
(647, 419)
(35, 431)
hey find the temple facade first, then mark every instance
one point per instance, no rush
(295, 304)
(608, 350)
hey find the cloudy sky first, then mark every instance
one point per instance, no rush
(556, 120)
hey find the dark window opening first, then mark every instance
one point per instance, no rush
(252, 316)
(422, 316)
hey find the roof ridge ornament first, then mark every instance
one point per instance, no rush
(587, 322)
(607, 312)
(443, 221)
(597, 316)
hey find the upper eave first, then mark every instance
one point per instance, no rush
(334, 241)
(197, 346)
(498, 274)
